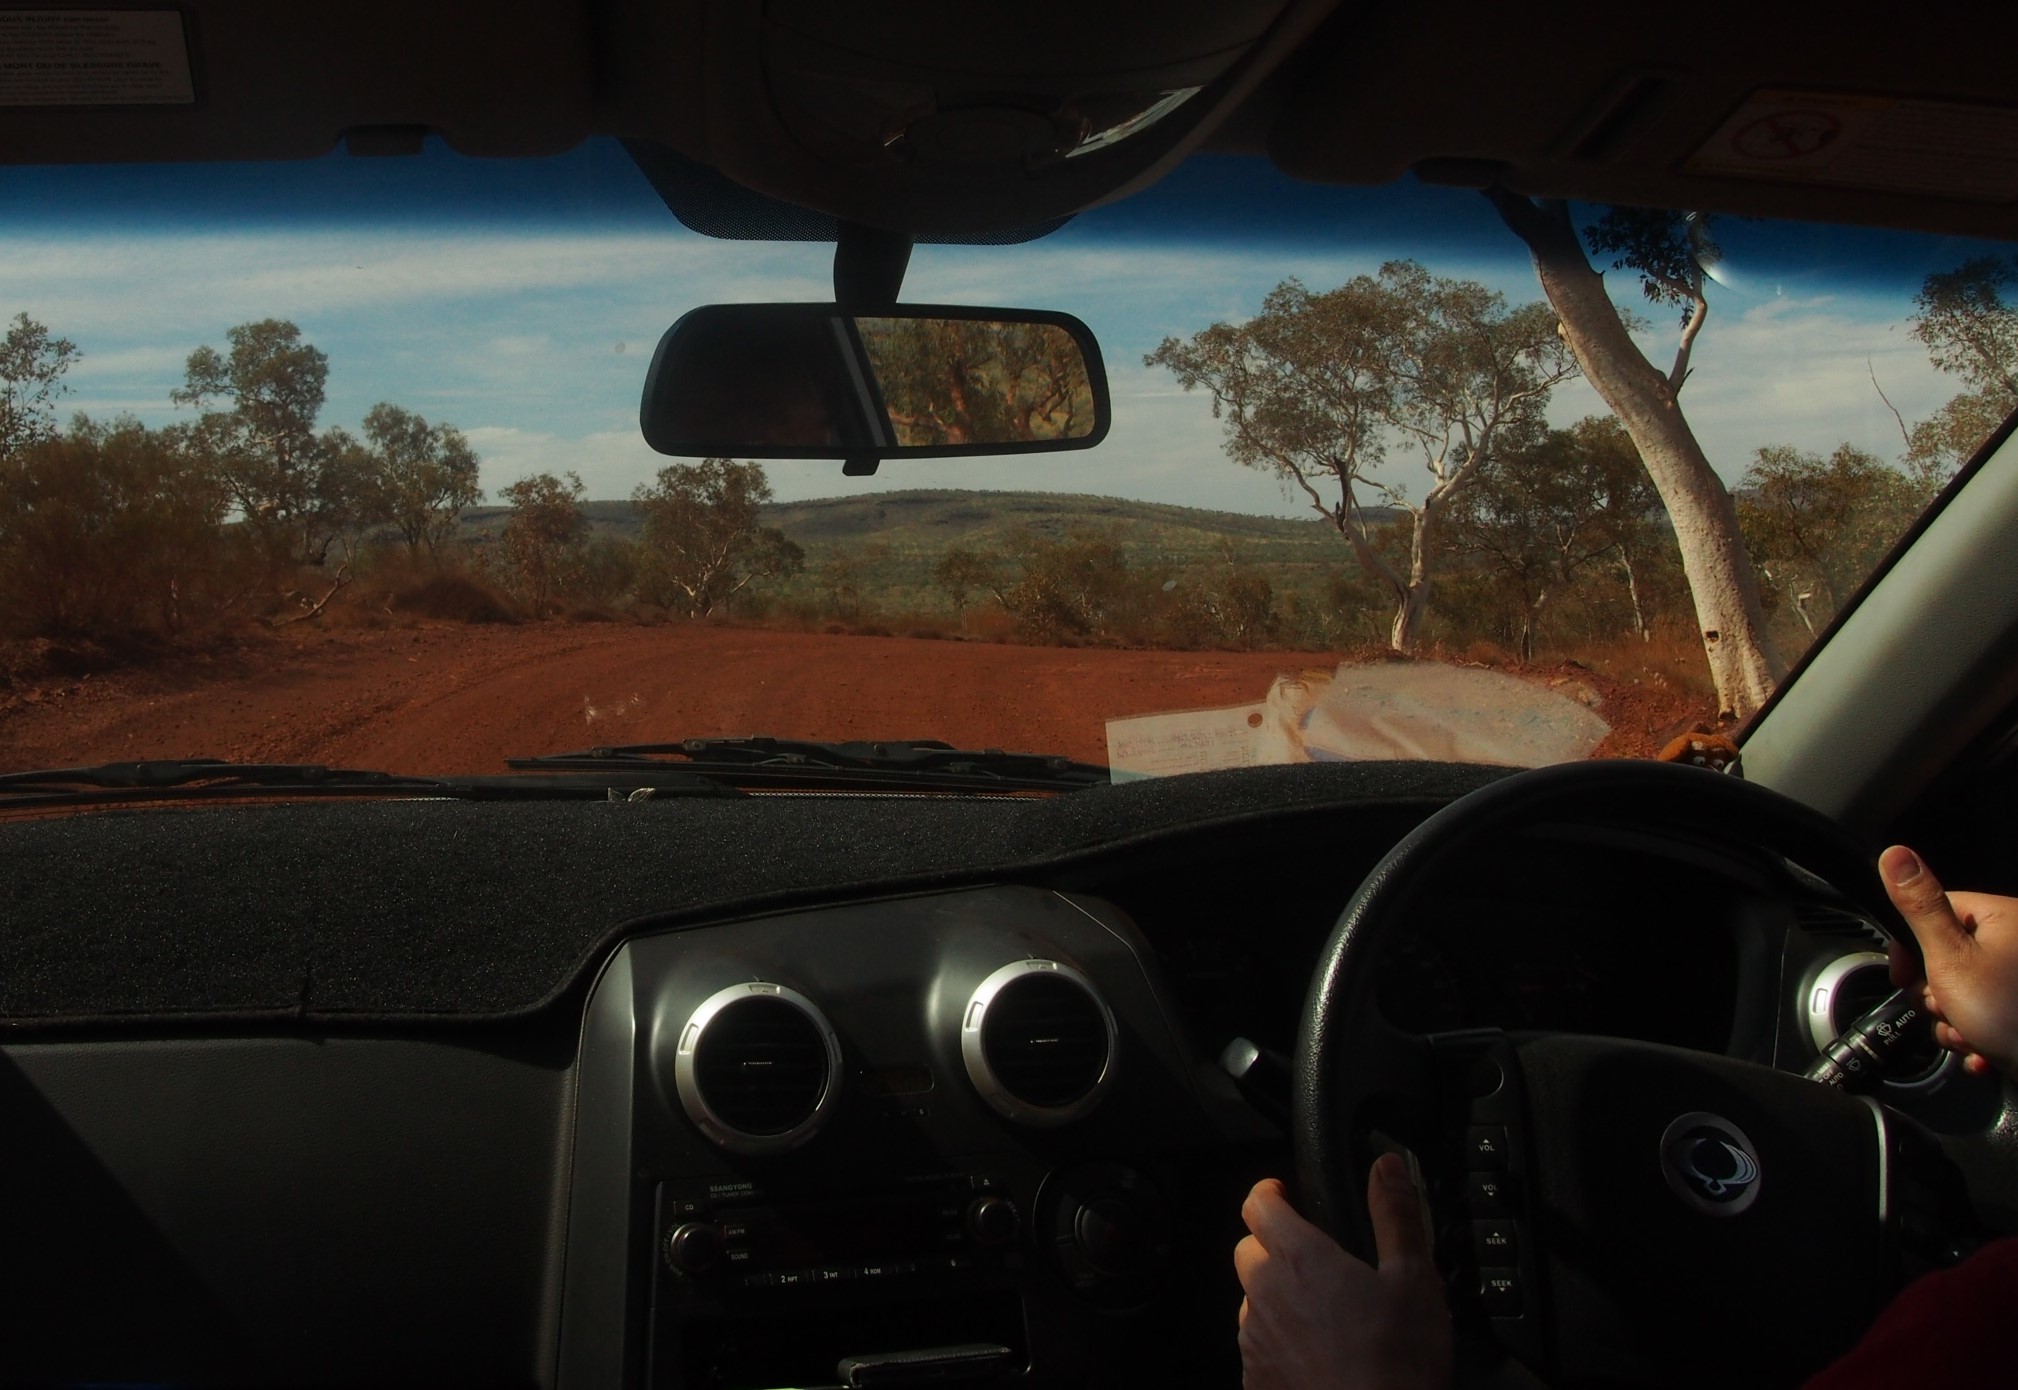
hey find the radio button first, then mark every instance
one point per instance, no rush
(735, 1230)
(696, 1248)
(1109, 1233)
(991, 1221)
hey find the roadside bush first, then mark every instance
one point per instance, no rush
(112, 528)
(1231, 605)
(607, 570)
(453, 597)
(1079, 587)
(539, 555)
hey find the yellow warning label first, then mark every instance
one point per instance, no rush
(1886, 144)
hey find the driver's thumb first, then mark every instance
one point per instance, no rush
(1924, 904)
(1399, 1232)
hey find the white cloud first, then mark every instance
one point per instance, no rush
(536, 343)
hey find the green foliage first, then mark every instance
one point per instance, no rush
(416, 477)
(963, 573)
(1550, 510)
(1950, 437)
(295, 489)
(844, 576)
(1320, 389)
(608, 570)
(1669, 251)
(703, 539)
(1968, 326)
(32, 366)
(1971, 331)
(1077, 587)
(539, 555)
(1817, 526)
(1230, 604)
(109, 528)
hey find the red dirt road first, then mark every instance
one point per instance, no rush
(453, 699)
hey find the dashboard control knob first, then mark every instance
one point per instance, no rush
(1109, 1232)
(991, 1220)
(694, 1247)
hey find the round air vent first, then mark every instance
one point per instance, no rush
(757, 1068)
(1038, 1041)
(1849, 987)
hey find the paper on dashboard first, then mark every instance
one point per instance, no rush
(1368, 713)
(1198, 740)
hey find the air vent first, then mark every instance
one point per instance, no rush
(1822, 919)
(757, 1068)
(1038, 1042)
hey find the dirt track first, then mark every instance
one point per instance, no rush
(455, 699)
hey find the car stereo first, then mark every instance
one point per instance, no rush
(734, 1237)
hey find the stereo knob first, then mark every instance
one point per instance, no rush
(694, 1248)
(1109, 1233)
(991, 1220)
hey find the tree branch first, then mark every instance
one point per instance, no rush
(1904, 434)
(1699, 311)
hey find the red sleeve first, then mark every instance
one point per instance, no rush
(1953, 1328)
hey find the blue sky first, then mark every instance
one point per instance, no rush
(520, 300)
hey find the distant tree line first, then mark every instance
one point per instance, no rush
(1532, 539)
(114, 526)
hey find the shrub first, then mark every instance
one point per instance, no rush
(454, 598)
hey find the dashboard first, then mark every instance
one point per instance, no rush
(871, 1131)
(961, 1129)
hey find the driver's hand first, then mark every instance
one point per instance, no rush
(1315, 1318)
(1969, 942)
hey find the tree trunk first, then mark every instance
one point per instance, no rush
(1413, 600)
(1729, 615)
(1406, 631)
(1633, 593)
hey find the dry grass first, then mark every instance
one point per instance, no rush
(1672, 656)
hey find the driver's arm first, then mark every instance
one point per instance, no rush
(1315, 1318)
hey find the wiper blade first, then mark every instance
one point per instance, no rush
(219, 779)
(180, 772)
(806, 762)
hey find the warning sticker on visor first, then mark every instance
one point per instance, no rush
(93, 58)
(1885, 144)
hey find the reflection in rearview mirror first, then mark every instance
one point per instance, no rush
(809, 381)
(978, 381)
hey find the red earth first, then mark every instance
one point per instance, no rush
(460, 699)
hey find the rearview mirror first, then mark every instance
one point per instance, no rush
(905, 381)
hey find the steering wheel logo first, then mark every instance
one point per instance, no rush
(1710, 1164)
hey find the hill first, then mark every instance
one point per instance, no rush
(937, 518)
(876, 553)
(934, 518)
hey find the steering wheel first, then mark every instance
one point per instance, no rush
(1619, 1210)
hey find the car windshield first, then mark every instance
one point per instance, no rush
(340, 462)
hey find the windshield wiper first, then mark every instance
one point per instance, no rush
(216, 778)
(805, 763)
